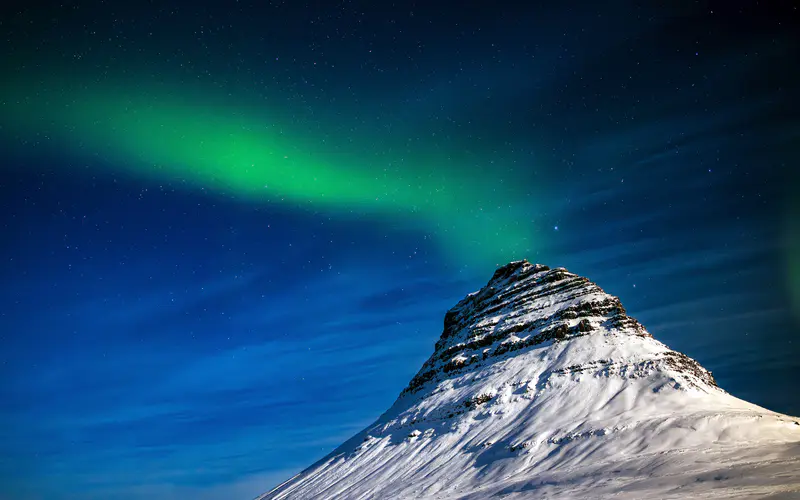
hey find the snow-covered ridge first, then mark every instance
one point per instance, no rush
(541, 385)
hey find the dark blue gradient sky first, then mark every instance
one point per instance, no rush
(159, 340)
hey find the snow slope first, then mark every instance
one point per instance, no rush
(541, 386)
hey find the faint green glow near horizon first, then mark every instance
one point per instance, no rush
(169, 136)
(793, 255)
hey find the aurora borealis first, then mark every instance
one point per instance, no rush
(167, 137)
(231, 230)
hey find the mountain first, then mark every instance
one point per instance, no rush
(541, 386)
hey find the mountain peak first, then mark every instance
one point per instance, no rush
(517, 266)
(541, 384)
(525, 305)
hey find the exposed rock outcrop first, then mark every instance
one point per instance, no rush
(526, 305)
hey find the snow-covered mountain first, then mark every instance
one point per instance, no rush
(541, 386)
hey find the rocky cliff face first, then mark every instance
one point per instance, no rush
(526, 305)
(542, 385)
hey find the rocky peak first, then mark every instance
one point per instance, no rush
(525, 305)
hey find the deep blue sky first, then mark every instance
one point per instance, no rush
(160, 339)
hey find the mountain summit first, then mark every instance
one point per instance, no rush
(541, 386)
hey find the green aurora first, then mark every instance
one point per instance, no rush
(203, 139)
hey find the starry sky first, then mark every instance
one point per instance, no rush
(230, 230)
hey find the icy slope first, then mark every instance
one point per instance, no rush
(541, 386)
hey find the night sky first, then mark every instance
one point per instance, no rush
(230, 231)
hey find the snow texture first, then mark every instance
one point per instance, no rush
(541, 386)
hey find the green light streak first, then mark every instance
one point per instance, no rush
(169, 135)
